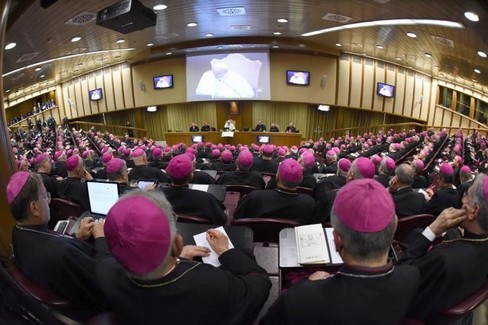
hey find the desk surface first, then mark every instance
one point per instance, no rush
(217, 190)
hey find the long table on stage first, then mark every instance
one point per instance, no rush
(243, 137)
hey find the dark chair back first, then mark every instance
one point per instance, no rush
(266, 229)
(305, 190)
(242, 189)
(466, 307)
(407, 224)
(62, 209)
(193, 219)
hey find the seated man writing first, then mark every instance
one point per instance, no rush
(145, 281)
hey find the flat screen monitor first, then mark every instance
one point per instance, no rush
(263, 138)
(95, 94)
(163, 82)
(297, 78)
(196, 138)
(228, 76)
(385, 90)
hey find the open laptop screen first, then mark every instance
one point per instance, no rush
(102, 196)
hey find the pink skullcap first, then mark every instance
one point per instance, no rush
(121, 149)
(308, 159)
(226, 156)
(376, 159)
(16, 184)
(85, 153)
(446, 169)
(458, 159)
(344, 164)
(57, 154)
(255, 147)
(72, 162)
(69, 152)
(191, 155)
(290, 171)
(220, 146)
(301, 151)
(190, 150)
(389, 164)
(336, 149)
(167, 149)
(232, 148)
(180, 167)
(245, 158)
(354, 207)
(137, 153)
(281, 152)
(485, 187)
(331, 153)
(200, 145)
(40, 158)
(243, 148)
(107, 157)
(294, 149)
(104, 149)
(465, 169)
(127, 152)
(156, 152)
(15, 150)
(267, 149)
(138, 239)
(216, 153)
(208, 144)
(115, 165)
(365, 167)
(483, 144)
(419, 164)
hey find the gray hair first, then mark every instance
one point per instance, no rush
(405, 174)
(480, 200)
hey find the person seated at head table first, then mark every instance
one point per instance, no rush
(274, 128)
(282, 202)
(60, 263)
(194, 128)
(205, 127)
(73, 187)
(461, 257)
(229, 125)
(187, 201)
(147, 274)
(290, 128)
(362, 290)
(260, 127)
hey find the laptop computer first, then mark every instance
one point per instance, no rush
(102, 196)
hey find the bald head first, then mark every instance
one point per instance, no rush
(405, 174)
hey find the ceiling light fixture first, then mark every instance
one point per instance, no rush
(152, 109)
(160, 7)
(482, 54)
(75, 39)
(411, 34)
(42, 76)
(379, 47)
(120, 41)
(209, 35)
(37, 69)
(276, 33)
(338, 44)
(398, 58)
(150, 44)
(388, 22)
(10, 46)
(192, 24)
(471, 16)
(282, 20)
(428, 55)
(168, 53)
(478, 71)
(323, 108)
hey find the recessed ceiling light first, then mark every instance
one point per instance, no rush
(471, 16)
(436, 66)
(168, 53)
(477, 70)
(37, 69)
(209, 35)
(10, 46)
(428, 55)
(119, 41)
(275, 46)
(75, 39)
(160, 7)
(379, 47)
(411, 34)
(276, 33)
(398, 58)
(338, 44)
(282, 20)
(150, 44)
(482, 54)
(80, 64)
(42, 76)
(192, 24)
(7, 91)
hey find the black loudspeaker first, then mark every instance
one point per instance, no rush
(46, 3)
(126, 16)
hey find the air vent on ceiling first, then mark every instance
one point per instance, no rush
(240, 27)
(236, 11)
(27, 57)
(77, 51)
(82, 18)
(167, 35)
(443, 40)
(336, 18)
(18, 76)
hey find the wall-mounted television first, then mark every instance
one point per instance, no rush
(228, 76)
(196, 138)
(298, 78)
(163, 81)
(95, 94)
(385, 90)
(264, 138)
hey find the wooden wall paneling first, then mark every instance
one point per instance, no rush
(77, 98)
(409, 93)
(119, 94)
(109, 86)
(368, 84)
(343, 83)
(75, 109)
(380, 76)
(447, 118)
(426, 97)
(399, 102)
(127, 87)
(389, 103)
(92, 84)
(417, 95)
(63, 98)
(101, 105)
(356, 82)
(84, 97)
(455, 120)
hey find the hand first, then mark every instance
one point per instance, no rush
(86, 226)
(449, 218)
(319, 275)
(218, 241)
(97, 230)
(191, 251)
(86, 175)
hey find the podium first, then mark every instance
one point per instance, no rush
(228, 135)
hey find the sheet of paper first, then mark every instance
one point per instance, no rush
(334, 255)
(200, 187)
(311, 245)
(201, 240)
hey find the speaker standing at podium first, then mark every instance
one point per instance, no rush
(229, 126)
